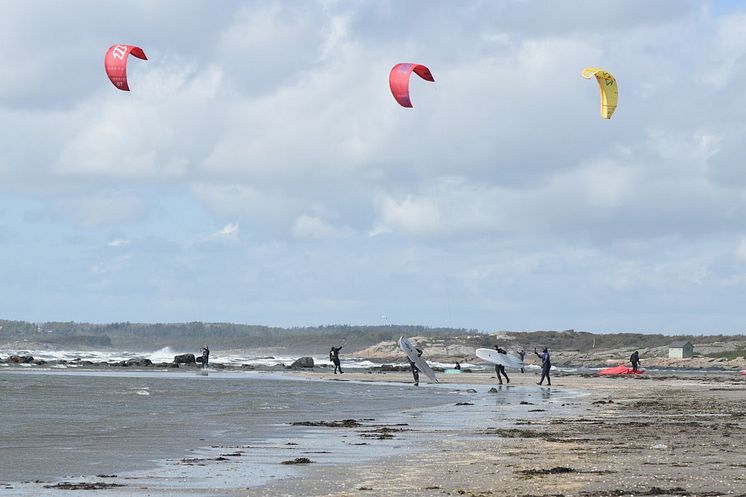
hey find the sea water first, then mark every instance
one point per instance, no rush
(143, 426)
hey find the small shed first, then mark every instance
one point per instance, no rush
(680, 350)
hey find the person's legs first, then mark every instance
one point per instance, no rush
(497, 373)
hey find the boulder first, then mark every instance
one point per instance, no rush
(303, 362)
(20, 359)
(139, 362)
(388, 368)
(185, 359)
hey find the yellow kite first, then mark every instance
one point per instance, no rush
(609, 90)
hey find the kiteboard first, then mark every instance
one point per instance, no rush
(495, 357)
(421, 364)
(621, 369)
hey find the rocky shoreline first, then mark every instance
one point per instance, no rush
(448, 350)
(560, 359)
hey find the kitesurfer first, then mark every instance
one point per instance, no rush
(457, 366)
(546, 365)
(415, 369)
(499, 368)
(334, 357)
(522, 354)
(205, 355)
(635, 360)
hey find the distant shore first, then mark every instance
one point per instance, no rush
(562, 361)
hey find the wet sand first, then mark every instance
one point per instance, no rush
(635, 436)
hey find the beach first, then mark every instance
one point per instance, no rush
(666, 434)
(635, 436)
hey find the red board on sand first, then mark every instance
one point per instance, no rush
(743, 372)
(621, 369)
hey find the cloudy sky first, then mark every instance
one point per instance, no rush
(260, 171)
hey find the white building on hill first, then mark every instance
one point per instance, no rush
(680, 350)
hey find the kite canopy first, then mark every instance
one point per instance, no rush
(607, 85)
(621, 369)
(399, 80)
(115, 63)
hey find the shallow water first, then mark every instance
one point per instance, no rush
(74, 425)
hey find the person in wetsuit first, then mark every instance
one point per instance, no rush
(334, 357)
(205, 356)
(457, 366)
(499, 368)
(635, 360)
(415, 369)
(546, 365)
(521, 355)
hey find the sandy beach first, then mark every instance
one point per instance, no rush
(636, 436)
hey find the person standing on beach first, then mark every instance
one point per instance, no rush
(635, 360)
(415, 369)
(334, 357)
(205, 355)
(499, 368)
(546, 365)
(522, 354)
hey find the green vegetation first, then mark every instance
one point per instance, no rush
(584, 341)
(728, 354)
(315, 339)
(139, 336)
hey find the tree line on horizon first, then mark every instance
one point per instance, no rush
(191, 335)
(144, 336)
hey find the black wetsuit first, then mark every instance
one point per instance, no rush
(415, 369)
(546, 365)
(635, 360)
(334, 357)
(205, 356)
(499, 368)
(522, 355)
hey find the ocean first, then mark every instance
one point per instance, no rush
(158, 432)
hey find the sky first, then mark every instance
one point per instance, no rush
(261, 172)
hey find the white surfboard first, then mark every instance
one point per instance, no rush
(493, 356)
(421, 364)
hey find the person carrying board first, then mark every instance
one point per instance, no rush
(499, 368)
(415, 369)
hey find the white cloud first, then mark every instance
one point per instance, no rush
(312, 227)
(740, 251)
(230, 230)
